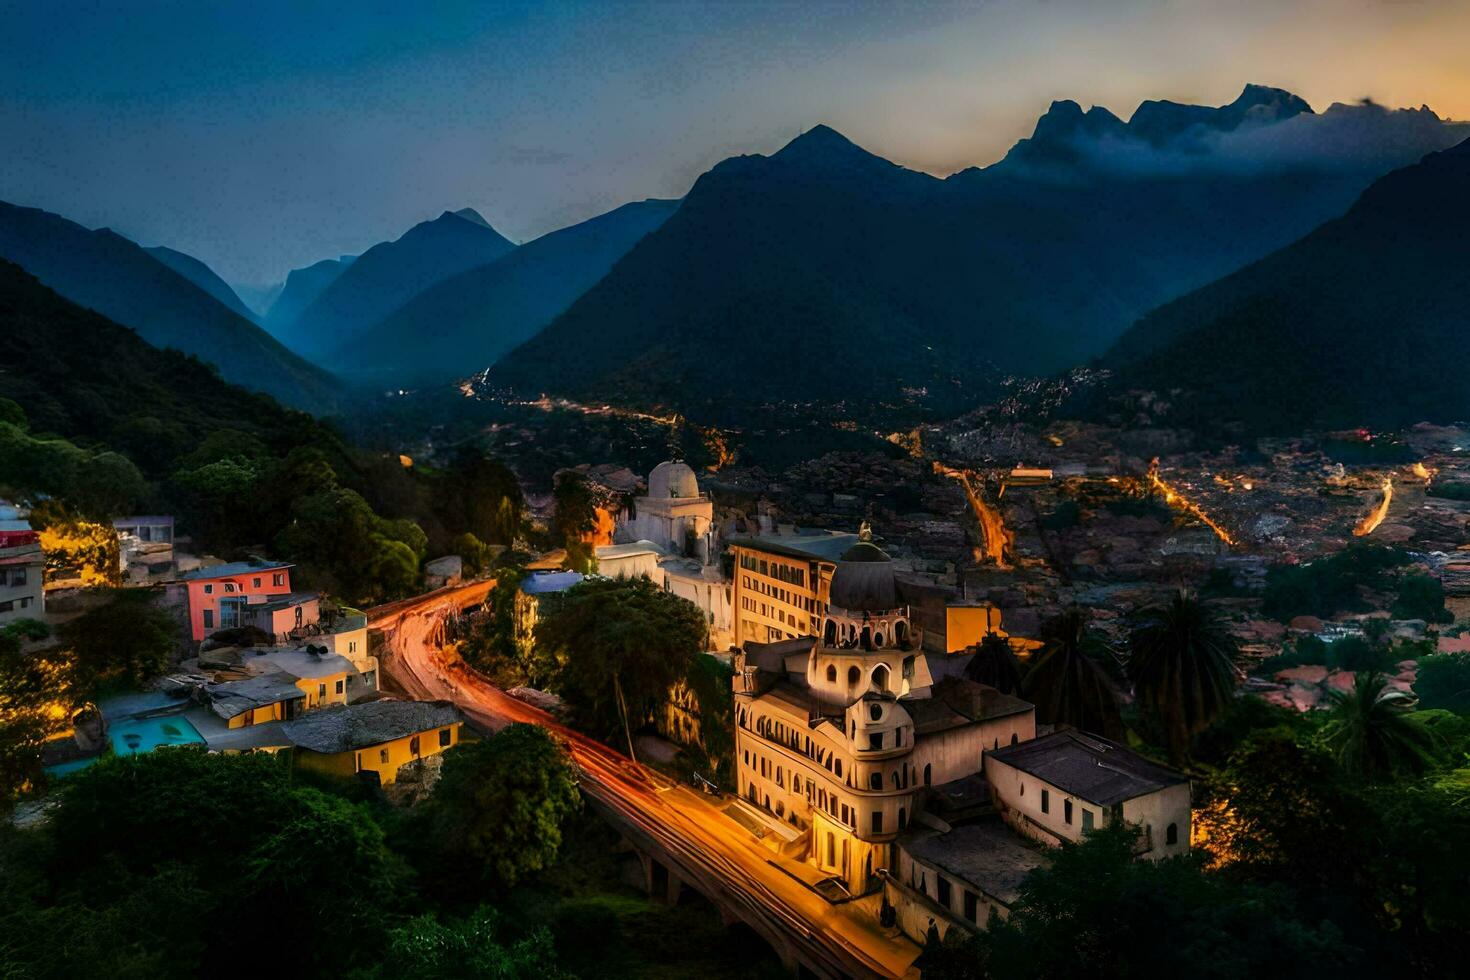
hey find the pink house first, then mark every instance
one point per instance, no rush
(218, 595)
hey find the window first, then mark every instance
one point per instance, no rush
(1046, 801)
(839, 768)
(383, 755)
(944, 890)
(875, 711)
(903, 820)
(1171, 836)
(229, 586)
(831, 848)
(255, 582)
(1086, 819)
(875, 780)
(831, 674)
(321, 690)
(852, 675)
(1014, 738)
(877, 821)
(444, 738)
(972, 907)
(928, 773)
(340, 685)
(208, 618)
(278, 579)
(208, 589)
(1067, 811)
(875, 741)
(352, 646)
(413, 745)
(18, 577)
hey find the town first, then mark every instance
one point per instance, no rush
(645, 491)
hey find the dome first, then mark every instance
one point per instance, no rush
(863, 580)
(672, 479)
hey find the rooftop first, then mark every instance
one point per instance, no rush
(629, 550)
(984, 854)
(233, 568)
(284, 602)
(233, 698)
(1088, 766)
(302, 662)
(809, 545)
(956, 702)
(355, 726)
(541, 583)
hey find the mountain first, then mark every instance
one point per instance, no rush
(1363, 322)
(468, 321)
(258, 297)
(81, 376)
(300, 290)
(202, 276)
(390, 274)
(112, 275)
(826, 274)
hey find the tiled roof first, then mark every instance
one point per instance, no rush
(355, 726)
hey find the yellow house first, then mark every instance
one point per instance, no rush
(377, 736)
(275, 696)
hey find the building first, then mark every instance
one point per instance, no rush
(780, 583)
(675, 516)
(22, 576)
(844, 730)
(217, 596)
(635, 559)
(708, 588)
(1058, 787)
(375, 737)
(146, 544)
(957, 877)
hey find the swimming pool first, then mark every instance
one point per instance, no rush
(136, 735)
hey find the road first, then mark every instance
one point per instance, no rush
(708, 849)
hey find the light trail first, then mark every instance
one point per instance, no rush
(1375, 517)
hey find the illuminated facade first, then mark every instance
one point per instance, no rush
(844, 728)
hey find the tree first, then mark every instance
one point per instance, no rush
(619, 646)
(1182, 664)
(123, 643)
(491, 646)
(482, 497)
(1421, 596)
(1067, 685)
(994, 663)
(430, 949)
(351, 550)
(574, 518)
(501, 803)
(36, 696)
(1373, 730)
(1443, 681)
(1097, 911)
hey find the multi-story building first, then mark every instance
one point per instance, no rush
(22, 569)
(842, 737)
(781, 583)
(217, 596)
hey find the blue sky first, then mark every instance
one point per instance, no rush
(261, 136)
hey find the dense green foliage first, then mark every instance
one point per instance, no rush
(619, 646)
(1331, 584)
(1443, 681)
(107, 424)
(574, 519)
(1374, 731)
(123, 643)
(1421, 596)
(1182, 664)
(497, 813)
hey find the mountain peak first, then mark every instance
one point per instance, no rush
(821, 142)
(471, 215)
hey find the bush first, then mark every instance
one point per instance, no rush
(1324, 586)
(1421, 596)
(1444, 682)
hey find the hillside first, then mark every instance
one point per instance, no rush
(79, 375)
(112, 275)
(1362, 322)
(468, 321)
(825, 274)
(390, 274)
(202, 276)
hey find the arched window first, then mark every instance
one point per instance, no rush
(829, 632)
(878, 638)
(852, 676)
(1171, 836)
(838, 764)
(875, 780)
(928, 773)
(831, 673)
(875, 711)
(903, 820)
(880, 677)
(901, 633)
(1014, 738)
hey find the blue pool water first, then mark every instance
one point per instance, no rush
(146, 734)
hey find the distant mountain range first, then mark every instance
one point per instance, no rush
(300, 290)
(385, 277)
(471, 319)
(1365, 321)
(826, 274)
(138, 289)
(202, 276)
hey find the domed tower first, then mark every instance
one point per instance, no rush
(672, 480)
(674, 515)
(864, 610)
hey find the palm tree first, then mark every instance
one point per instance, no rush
(995, 664)
(1182, 664)
(1374, 732)
(1067, 685)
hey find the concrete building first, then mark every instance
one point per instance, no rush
(1058, 787)
(22, 574)
(635, 559)
(781, 581)
(378, 737)
(146, 545)
(844, 737)
(218, 595)
(945, 878)
(675, 516)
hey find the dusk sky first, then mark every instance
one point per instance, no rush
(261, 136)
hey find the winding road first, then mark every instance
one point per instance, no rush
(685, 830)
